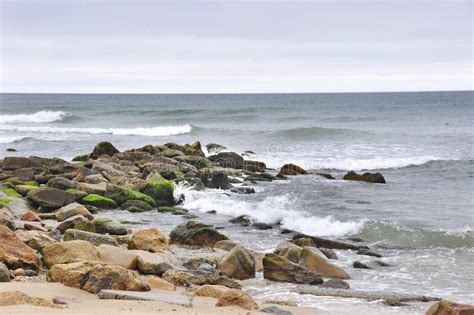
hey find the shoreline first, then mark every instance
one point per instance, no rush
(53, 209)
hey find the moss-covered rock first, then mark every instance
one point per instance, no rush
(4, 201)
(24, 189)
(136, 195)
(173, 210)
(136, 206)
(10, 192)
(99, 201)
(161, 190)
(81, 158)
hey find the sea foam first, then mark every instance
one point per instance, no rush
(43, 116)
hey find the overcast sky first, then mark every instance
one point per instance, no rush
(205, 47)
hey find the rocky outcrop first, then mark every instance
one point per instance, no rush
(14, 253)
(68, 252)
(234, 297)
(239, 264)
(51, 198)
(93, 276)
(366, 177)
(196, 234)
(149, 239)
(103, 147)
(313, 260)
(278, 268)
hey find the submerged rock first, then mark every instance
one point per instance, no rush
(360, 265)
(366, 177)
(336, 284)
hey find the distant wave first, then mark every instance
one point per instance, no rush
(159, 131)
(43, 116)
(11, 139)
(314, 132)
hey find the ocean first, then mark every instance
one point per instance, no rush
(422, 142)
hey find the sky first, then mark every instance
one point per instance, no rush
(235, 47)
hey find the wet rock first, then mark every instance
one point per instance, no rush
(68, 252)
(329, 253)
(4, 273)
(445, 307)
(278, 268)
(292, 253)
(243, 190)
(51, 198)
(69, 223)
(104, 225)
(336, 284)
(286, 231)
(136, 206)
(261, 226)
(254, 166)
(219, 180)
(360, 265)
(161, 190)
(243, 220)
(366, 177)
(61, 183)
(117, 256)
(326, 243)
(292, 169)
(260, 177)
(228, 159)
(103, 147)
(382, 263)
(11, 150)
(181, 278)
(172, 210)
(215, 148)
(36, 239)
(239, 264)
(326, 175)
(149, 239)
(275, 310)
(234, 297)
(304, 241)
(368, 252)
(196, 234)
(315, 261)
(208, 290)
(93, 238)
(95, 276)
(71, 210)
(226, 245)
(211, 212)
(14, 253)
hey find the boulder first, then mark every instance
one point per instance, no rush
(13, 163)
(61, 183)
(78, 194)
(71, 210)
(218, 180)
(254, 166)
(161, 190)
(228, 159)
(97, 189)
(446, 307)
(93, 276)
(313, 260)
(95, 179)
(149, 239)
(69, 223)
(234, 297)
(239, 264)
(104, 225)
(36, 239)
(7, 217)
(195, 233)
(151, 263)
(87, 226)
(278, 268)
(68, 252)
(117, 256)
(198, 162)
(103, 147)
(99, 201)
(209, 290)
(226, 245)
(24, 189)
(10, 298)
(14, 253)
(327, 243)
(95, 239)
(304, 241)
(292, 169)
(366, 177)
(181, 278)
(160, 284)
(4, 273)
(51, 198)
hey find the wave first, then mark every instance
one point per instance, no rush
(310, 133)
(159, 131)
(43, 116)
(12, 139)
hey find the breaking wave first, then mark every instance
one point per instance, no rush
(43, 116)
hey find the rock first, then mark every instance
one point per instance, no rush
(210, 290)
(326, 175)
(228, 159)
(136, 206)
(69, 223)
(149, 239)
(7, 217)
(193, 149)
(166, 298)
(11, 150)
(226, 245)
(326, 243)
(117, 256)
(99, 201)
(103, 147)
(215, 148)
(254, 166)
(243, 190)
(161, 190)
(95, 239)
(239, 264)
(20, 272)
(160, 284)
(151, 263)
(261, 226)
(366, 177)
(275, 310)
(19, 298)
(304, 241)
(13, 163)
(336, 284)
(233, 297)
(195, 263)
(207, 268)
(61, 183)
(292, 253)
(104, 225)
(35, 239)
(181, 278)
(243, 220)
(14, 253)
(219, 180)
(30, 216)
(172, 210)
(195, 233)
(4, 273)
(445, 307)
(278, 268)
(260, 177)
(313, 260)
(368, 252)
(97, 189)
(329, 253)
(93, 276)
(68, 252)
(196, 161)
(292, 169)
(360, 265)
(87, 226)
(382, 263)
(71, 210)
(50, 198)
(24, 189)
(95, 179)
(78, 194)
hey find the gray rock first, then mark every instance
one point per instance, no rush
(70, 223)
(368, 252)
(105, 225)
(329, 253)
(61, 183)
(196, 234)
(360, 265)
(93, 238)
(336, 284)
(4, 273)
(275, 310)
(243, 190)
(228, 159)
(51, 198)
(171, 298)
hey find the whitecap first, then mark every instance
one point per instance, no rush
(43, 116)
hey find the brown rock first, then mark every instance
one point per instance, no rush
(117, 256)
(103, 147)
(20, 272)
(19, 298)
(69, 223)
(313, 260)
(30, 216)
(14, 253)
(209, 290)
(278, 268)
(68, 252)
(226, 245)
(36, 239)
(160, 284)
(366, 177)
(51, 198)
(181, 278)
(445, 307)
(236, 297)
(149, 239)
(292, 169)
(71, 210)
(239, 263)
(254, 166)
(13, 163)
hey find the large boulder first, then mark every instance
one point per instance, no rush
(51, 198)
(117, 256)
(103, 147)
(61, 183)
(13, 163)
(14, 253)
(239, 263)
(71, 210)
(149, 239)
(233, 297)
(36, 239)
(161, 190)
(278, 268)
(228, 159)
(292, 169)
(95, 239)
(93, 276)
(366, 177)
(445, 307)
(104, 225)
(68, 252)
(314, 260)
(195, 233)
